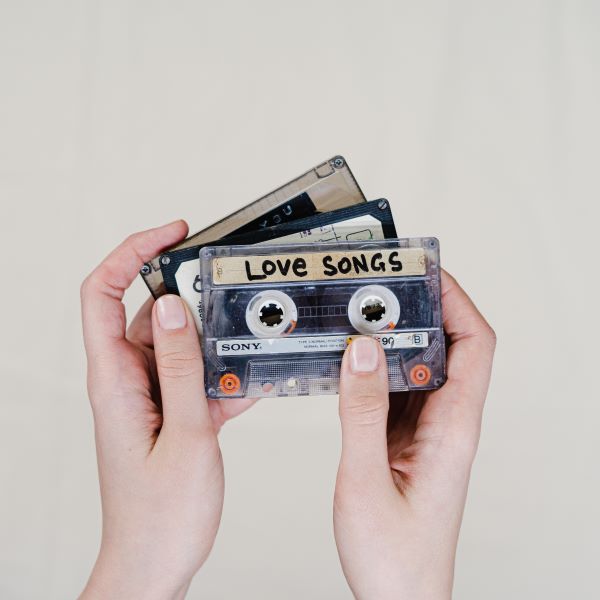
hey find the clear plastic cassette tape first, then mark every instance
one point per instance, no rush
(278, 318)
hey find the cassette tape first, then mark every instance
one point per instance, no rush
(278, 318)
(367, 221)
(328, 186)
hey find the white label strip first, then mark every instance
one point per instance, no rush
(317, 343)
(357, 228)
(318, 266)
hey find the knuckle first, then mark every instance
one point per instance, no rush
(131, 239)
(365, 407)
(86, 285)
(489, 337)
(178, 364)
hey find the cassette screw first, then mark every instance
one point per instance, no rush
(145, 270)
(165, 260)
(338, 162)
(382, 204)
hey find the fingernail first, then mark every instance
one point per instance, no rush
(170, 312)
(364, 355)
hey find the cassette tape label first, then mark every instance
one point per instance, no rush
(328, 343)
(320, 266)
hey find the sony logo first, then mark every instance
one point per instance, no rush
(235, 347)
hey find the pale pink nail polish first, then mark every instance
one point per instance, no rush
(170, 312)
(364, 355)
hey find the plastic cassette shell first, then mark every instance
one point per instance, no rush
(328, 186)
(365, 221)
(379, 210)
(303, 293)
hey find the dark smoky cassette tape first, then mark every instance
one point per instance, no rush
(326, 187)
(278, 318)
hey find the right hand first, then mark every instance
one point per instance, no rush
(159, 462)
(406, 462)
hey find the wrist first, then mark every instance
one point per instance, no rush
(397, 583)
(117, 579)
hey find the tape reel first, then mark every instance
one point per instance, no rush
(271, 313)
(373, 308)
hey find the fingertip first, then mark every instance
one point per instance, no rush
(170, 312)
(179, 225)
(363, 355)
(171, 233)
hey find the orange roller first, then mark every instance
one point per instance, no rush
(420, 375)
(230, 383)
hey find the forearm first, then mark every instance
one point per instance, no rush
(114, 581)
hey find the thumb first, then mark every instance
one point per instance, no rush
(364, 403)
(179, 366)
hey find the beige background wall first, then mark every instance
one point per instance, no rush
(478, 120)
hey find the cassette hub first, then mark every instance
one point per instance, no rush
(271, 313)
(373, 309)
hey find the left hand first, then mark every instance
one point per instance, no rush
(406, 461)
(159, 462)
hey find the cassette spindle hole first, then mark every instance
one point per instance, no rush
(271, 313)
(373, 309)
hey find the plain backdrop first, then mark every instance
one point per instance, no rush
(477, 119)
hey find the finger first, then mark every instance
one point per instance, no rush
(454, 412)
(462, 320)
(103, 290)
(140, 329)
(180, 369)
(364, 407)
(472, 341)
(223, 410)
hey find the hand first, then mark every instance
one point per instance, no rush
(160, 468)
(406, 461)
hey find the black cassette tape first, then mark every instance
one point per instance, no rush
(366, 221)
(278, 318)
